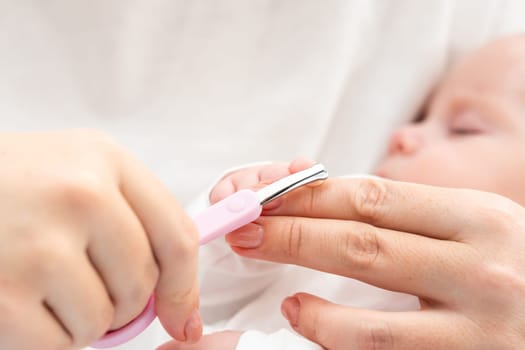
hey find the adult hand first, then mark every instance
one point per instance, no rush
(87, 234)
(226, 340)
(460, 251)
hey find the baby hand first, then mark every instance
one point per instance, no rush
(256, 177)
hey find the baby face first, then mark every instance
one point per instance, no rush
(473, 132)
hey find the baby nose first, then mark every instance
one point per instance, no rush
(404, 141)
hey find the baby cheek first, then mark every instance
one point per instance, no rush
(454, 171)
(436, 164)
(433, 169)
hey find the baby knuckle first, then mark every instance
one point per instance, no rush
(370, 198)
(375, 336)
(359, 251)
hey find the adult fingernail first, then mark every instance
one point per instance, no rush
(290, 310)
(249, 236)
(193, 327)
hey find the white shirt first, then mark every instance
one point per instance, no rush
(193, 87)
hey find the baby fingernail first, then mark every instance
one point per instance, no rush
(193, 327)
(290, 310)
(249, 236)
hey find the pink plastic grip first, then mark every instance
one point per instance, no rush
(227, 215)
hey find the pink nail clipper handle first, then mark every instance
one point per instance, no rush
(232, 212)
(229, 214)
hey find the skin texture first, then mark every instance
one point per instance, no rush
(473, 132)
(87, 235)
(456, 247)
(459, 251)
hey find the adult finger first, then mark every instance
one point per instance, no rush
(26, 323)
(61, 278)
(120, 252)
(338, 327)
(174, 241)
(68, 282)
(442, 213)
(386, 258)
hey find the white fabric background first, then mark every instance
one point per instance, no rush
(193, 87)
